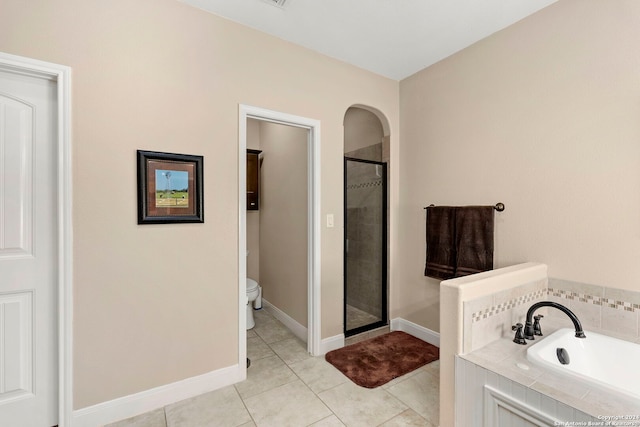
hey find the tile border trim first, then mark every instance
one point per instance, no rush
(507, 305)
(595, 300)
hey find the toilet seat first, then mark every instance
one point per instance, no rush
(253, 297)
(252, 285)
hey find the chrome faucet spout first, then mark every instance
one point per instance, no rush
(529, 329)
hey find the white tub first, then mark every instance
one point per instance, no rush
(598, 360)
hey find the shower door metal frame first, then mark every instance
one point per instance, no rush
(385, 309)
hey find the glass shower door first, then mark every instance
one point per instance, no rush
(365, 245)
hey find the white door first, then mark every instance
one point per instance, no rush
(28, 252)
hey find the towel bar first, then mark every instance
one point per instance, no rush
(499, 206)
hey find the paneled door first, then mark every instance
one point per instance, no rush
(28, 251)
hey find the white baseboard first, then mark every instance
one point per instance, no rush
(291, 324)
(149, 400)
(425, 334)
(331, 343)
(326, 345)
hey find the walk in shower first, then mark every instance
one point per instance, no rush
(365, 245)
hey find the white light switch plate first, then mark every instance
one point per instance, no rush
(329, 220)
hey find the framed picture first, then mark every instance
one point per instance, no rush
(169, 188)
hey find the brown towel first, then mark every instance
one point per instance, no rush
(441, 243)
(474, 240)
(459, 241)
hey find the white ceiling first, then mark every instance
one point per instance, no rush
(394, 38)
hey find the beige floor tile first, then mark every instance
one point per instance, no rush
(407, 419)
(272, 332)
(432, 368)
(291, 350)
(286, 387)
(220, 408)
(258, 349)
(421, 393)
(150, 419)
(292, 404)
(400, 379)
(318, 374)
(357, 317)
(358, 406)
(265, 374)
(331, 421)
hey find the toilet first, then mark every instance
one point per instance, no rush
(254, 299)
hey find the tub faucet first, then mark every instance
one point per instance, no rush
(529, 330)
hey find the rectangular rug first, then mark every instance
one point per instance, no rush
(378, 360)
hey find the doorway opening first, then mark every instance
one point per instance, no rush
(312, 160)
(365, 245)
(367, 155)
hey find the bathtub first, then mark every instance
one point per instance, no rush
(598, 360)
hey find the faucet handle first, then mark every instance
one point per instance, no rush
(536, 325)
(519, 338)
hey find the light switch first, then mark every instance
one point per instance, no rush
(329, 220)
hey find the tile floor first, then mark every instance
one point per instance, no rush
(357, 317)
(286, 387)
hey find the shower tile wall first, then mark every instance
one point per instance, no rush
(364, 223)
(372, 152)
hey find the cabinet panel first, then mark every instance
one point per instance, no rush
(486, 399)
(253, 180)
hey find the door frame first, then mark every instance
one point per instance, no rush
(62, 76)
(313, 231)
(384, 321)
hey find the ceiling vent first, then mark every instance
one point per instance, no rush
(278, 3)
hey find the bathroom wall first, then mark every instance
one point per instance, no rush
(542, 116)
(362, 129)
(161, 75)
(284, 219)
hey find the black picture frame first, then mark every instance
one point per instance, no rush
(169, 188)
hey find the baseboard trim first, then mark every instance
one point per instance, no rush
(158, 397)
(425, 334)
(288, 321)
(331, 343)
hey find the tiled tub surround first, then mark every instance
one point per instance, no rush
(488, 337)
(486, 398)
(496, 296)
(490, 317)
(609, 311)
(476, 318)
(507, 359)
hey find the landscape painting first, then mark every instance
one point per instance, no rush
(172, 188)
(169, 188)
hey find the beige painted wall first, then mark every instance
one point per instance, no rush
(161, 75)
(544, 117)
(362, 129)
(283, 219)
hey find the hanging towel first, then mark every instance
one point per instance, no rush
(474, 240)
(441, 253)
(459, 241)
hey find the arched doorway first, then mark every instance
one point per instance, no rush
(366, 158)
